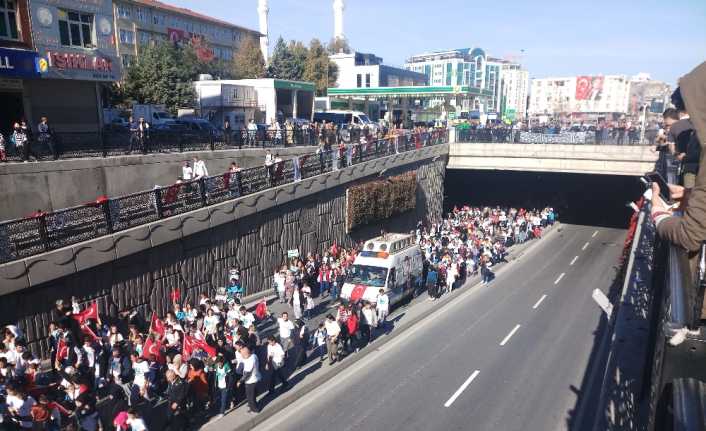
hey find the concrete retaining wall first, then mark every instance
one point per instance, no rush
(138, 268)
(53, 185)
(584, 159)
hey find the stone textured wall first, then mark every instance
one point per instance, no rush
(199, 262)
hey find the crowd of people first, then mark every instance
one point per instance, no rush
(685, 137)
(211, 352)
(22, 140)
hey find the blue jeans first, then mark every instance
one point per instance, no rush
(334, 290)
(224, 396)
(325, 287)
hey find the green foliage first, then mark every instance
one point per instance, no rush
(336, 46)
(381, 199)
(248, 62)
(319, 69)
(163, 75)
(288, 60)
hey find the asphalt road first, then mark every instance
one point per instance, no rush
(523, 353)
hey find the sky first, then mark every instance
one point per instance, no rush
(550, 37)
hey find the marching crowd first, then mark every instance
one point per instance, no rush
(210, 353)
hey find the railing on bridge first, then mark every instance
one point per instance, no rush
(43, 232)
(510, 136)
(108, 143)
(655, 376)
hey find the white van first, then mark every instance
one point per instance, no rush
(341, 117)
(392, 262)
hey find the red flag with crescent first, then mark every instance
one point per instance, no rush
(156, 325)
(89, 313)
(191, 344)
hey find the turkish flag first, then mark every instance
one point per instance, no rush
(176, 293)
(156, 325)
(357, 292)
(191, 344)
(86, 330)
(153, 348)
(62, 350)
(89, 313)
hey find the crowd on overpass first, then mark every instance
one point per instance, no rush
(210, 352)
(26, 143)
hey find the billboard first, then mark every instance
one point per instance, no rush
(589, 87)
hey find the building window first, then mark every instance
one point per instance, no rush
(127, 36)
(144, 37)
(367, 80)
(124, 11)
(8, 20)
(76, 29)
(128, 60)
(359, 81)
(141, 14)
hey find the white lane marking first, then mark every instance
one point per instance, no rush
(573, 261)
(559, 278)
(539, 302)
(461, 389)
(584, 246)
(507, 338)
(594, 234)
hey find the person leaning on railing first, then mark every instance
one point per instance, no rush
(689, 230)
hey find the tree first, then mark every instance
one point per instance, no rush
(337, 45)
(288, 60)
(163, 75)
(319, 69)
(248, 62)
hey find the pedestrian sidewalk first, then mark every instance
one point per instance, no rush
(314, 372)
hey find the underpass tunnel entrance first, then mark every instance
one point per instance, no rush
(586, 199)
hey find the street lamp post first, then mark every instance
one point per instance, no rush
(643, 125)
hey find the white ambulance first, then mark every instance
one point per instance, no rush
(392, 262)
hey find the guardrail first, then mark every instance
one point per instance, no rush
(678, 374)
(108, 143)
(43, 232)
(655, 376)
(510, 136)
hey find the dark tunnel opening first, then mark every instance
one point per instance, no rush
(585, 199)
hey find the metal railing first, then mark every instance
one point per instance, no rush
(108, 143)
(677, 386)
(510, 136)
(43, 232)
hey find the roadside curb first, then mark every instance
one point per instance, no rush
(284, 400)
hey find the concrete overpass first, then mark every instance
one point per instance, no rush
(570, 158)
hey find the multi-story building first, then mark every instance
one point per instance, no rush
(56, 57)
(473, 68)
(579, 96)
(646, 92)
(360, 70)
(515, 88)
(140, 22)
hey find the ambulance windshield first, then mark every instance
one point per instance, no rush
(368, 275)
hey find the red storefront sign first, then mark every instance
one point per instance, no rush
(66, 61)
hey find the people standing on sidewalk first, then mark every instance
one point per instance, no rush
(333, 331)
(382, 307)
(47, 137)
(250, 371)
(286, 327)
(276, 363)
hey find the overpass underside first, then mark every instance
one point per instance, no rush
(569, 158)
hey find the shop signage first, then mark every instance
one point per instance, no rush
(65, 61)
(18, 63)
